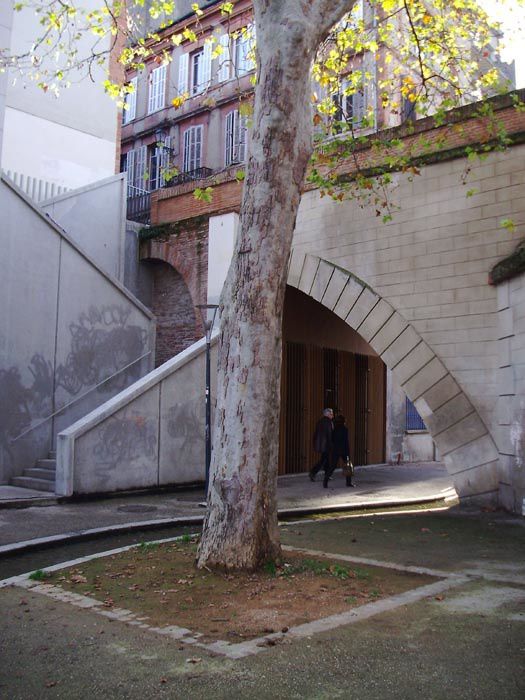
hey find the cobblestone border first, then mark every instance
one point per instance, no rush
(252, 646)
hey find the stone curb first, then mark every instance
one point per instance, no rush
(42, 542)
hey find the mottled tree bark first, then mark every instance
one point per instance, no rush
(240, 529)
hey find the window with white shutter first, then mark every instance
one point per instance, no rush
(196, 60)
(159, 162)
(243, 45)
(192, 148)
(353, 107)
(157, 89)
(235, 138)
(129, 111)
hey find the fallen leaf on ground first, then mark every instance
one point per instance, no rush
(77, 578)
(194, 660)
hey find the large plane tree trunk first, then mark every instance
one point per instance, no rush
(240, 529)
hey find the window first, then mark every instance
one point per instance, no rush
(413, 419)
(159, 162)
(157, 89)
(192, 148)
(242, 52)
(130, 103)
(197, 60)
(195, 71)
(351, 108)
(235, 138)
(135, 167)
(408, 110)
(236, 57)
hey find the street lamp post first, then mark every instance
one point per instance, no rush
(208, 312)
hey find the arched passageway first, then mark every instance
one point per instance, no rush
(326, 363)
(460, 435)
(172, 305)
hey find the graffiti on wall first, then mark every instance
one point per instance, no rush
(185, 425)
(20, 405)
(120, 441)
(101, 342)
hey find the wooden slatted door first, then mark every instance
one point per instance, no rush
(292, 455)
(315, 399)
(376, 418)
(347, 392)
(361, 408)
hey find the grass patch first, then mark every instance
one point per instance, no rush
(39, 575)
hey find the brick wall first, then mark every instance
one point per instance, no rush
(179, 203)
(179, 285)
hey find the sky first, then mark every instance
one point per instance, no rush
(512, 16)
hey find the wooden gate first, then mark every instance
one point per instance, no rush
(314, 378)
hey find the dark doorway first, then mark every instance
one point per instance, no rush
(314, 378)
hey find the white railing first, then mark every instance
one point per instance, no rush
(34, 187)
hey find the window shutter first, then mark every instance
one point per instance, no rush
(130, 170)
(198, 147)
(132, 101)
(228, 142)
(224, 58)
(250, 64)
(140, 169)
(157, 89)
(183, 74)
(206, 66)
(242, 130)
(187, 142)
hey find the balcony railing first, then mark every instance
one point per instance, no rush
(138, 205)
(189, 176)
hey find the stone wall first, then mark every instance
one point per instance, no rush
(431, 263)
(511, 384)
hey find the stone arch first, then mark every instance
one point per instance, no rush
(464, 442)
(173, 308)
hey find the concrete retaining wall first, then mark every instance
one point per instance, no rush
(65, 328)
(95, 218)
(151, 434)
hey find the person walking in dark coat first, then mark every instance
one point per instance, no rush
(323, 442)
(340, 450)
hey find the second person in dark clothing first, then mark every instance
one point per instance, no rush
(340, 450)
(323, 442)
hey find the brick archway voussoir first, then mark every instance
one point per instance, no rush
(465, 444)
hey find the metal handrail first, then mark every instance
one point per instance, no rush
(63, 408)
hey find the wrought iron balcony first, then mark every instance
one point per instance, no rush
(138, 205)
(189, 176)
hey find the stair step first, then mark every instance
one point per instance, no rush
(27, 482)
(52, 454)
(46, 464)
(39, 473)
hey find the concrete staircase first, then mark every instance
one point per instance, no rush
(41, 477)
